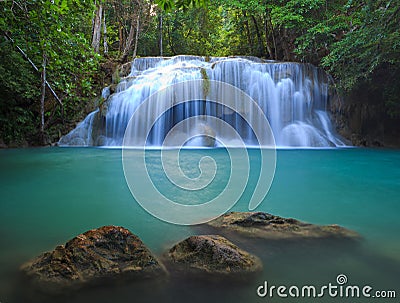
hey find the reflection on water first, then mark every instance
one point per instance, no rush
(50, 195)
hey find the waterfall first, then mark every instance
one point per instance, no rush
(294, 97)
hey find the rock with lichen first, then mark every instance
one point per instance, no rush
(100, 255)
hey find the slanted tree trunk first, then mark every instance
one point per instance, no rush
(137, 36)
(128, 43)
(96, 37)
(36, 69)
(105, 45)
(43, 77)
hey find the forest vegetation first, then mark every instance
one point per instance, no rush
(56, 55)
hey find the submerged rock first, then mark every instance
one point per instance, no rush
(98, 255)
(212, 254)
(264, 225)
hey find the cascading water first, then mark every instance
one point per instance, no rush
(294, 97)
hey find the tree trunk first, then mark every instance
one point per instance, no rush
(259, 39)
(269, 50)
(160, 28)
(271, 28)
(285, 45)
(43, 97)
(247, 29)
(96, 37)
(105, 45)
(128, 43)
(136, 37)
(170, 39)
(121, 38)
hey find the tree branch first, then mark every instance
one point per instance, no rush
(35, 67)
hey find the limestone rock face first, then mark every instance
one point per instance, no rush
(98, 255)
(264, 225)
(212, 254)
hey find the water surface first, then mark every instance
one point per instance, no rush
(49, 195)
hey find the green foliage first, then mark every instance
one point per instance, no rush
(192, 32)
(360, 39)
(17, 120)
(297, 14)
(356, 41)
(169, 5)
(375, 41)
(59, 31)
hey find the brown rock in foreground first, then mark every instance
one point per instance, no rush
(98, 255)
(212, 254)
(267, 226)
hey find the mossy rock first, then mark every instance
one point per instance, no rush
(212, 254)
(98, 256)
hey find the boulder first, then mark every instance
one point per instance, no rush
(100, 255)
(212, 254)
(267, 226)
(125, 69)
(202, 135)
